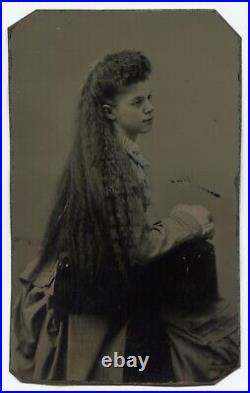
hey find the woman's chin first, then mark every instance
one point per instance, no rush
(147, 128)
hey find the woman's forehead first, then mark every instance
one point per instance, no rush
(138, 89)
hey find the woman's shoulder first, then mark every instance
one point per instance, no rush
(39, 274)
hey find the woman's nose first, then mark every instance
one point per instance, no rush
(148, 107)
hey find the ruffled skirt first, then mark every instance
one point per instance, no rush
(204, 346)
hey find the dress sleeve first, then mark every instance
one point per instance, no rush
(167, 233)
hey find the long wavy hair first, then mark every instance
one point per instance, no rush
(98, 216)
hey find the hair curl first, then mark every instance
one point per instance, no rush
(98, 216)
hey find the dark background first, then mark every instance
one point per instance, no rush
(196, 65)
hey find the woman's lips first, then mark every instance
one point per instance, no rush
(148, 120)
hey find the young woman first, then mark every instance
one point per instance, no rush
(76, 302)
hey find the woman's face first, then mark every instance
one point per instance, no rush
(133, 111)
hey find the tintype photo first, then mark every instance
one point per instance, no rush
(125, 151)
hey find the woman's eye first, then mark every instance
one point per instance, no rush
(138, 101)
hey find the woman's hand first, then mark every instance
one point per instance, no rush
(201, 215)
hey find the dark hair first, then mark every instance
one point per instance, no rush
(98, 216)
(118, 70)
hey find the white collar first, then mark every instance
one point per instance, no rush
(133, 150)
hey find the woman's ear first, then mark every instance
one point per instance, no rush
(109, 111)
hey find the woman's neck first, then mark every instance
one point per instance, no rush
(124, 134)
